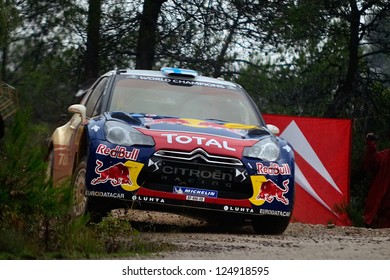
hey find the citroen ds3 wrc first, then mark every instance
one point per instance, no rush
(174, 141)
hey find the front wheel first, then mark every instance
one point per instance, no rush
(80, 200)
(272, 225)
(96, 207)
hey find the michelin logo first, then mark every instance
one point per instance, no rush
(197, 192)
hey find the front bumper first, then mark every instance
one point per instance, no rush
(145, 178)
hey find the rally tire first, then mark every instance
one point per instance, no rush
(96, 208)
(270, 225)
(80, 200)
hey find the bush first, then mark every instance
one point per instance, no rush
(30, 208)
(35, 220)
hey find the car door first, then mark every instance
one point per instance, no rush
(67, 139)
(93, 103)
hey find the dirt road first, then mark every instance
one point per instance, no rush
(195, 240)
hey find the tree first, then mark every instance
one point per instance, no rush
(300, 51)
(355, 14)
(92, 53)
(215, 36)
(41, 57)
(8, 22)
(147, 34)
(327, 40)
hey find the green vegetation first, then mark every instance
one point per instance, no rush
(34, 216)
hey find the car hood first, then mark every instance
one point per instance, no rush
(147, 122)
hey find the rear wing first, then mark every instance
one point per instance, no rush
(8, 100)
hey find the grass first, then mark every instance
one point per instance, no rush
(34, 216)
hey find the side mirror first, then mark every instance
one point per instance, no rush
(274, 129)
(78, 109)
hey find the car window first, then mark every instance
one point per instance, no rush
(93, 103)
(199, 102)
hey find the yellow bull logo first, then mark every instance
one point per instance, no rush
(134, 170)
(257, 181)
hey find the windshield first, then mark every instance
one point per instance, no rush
(209, 101)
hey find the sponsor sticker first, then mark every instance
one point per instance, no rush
(275, 212)
(182, 82)
(270, 191)
(196, 192)
(117, 152)
(95, 128)
(104, 194)
(174, 138)
(147, 199)
(120, 174)
(266, 190)
(238, 209)
(117, 174)
(273, 169)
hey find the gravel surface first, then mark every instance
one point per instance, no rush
(194, 239)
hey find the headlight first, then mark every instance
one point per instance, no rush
(265, 149)
(122, 134)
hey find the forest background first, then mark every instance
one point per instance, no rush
(323, 58)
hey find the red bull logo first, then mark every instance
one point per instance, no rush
(123, 174)
(117, 174)
(273, 169)
(270, 191)
(265, 190)
(117, 152)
